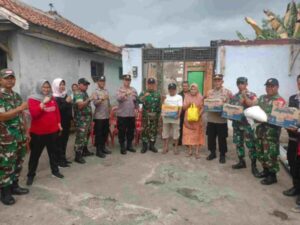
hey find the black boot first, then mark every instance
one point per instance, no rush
(240, 165)
(222, 159)
(212, 155)
(152, 147)
(254, 169)
(86, 152)
(123, 149)
(145, 147)
(106, 151)
(79, 158)
(17, 190)
(6, 197)
(263, 174)
(100, 152)
(130, 148)
(291, 192)
(270, 179)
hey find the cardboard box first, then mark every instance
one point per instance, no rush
(213, 105)
(233, 112)
(169, 111)
(284, 116)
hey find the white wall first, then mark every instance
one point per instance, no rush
(133, 57)
(35, 58)
(258, 63)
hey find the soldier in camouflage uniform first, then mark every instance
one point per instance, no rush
(12, 138)
(267, 135)
(82, 120)
(151, 112)
(242, 131)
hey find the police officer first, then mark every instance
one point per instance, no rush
(242, 131)
(101, 117)
(127, 99)
(217, 126)
(82, 120)
(267, 135)
(12, 138)
(151, 101)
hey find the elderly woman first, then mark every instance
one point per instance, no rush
(45, 125)
(193, 135)
(64, 102)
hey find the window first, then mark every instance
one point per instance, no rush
(3, 59)
(97, 70)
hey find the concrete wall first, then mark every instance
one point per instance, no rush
(133, 57)
(34, 58)
(258, 63)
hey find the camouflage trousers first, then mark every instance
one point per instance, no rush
(267, 146)
(150, 127)
(11, 161)
(83, 131)
(244, 135)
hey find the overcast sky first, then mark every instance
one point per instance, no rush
(177, 23)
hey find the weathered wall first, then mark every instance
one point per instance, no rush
(35, 58)
(133, 57)
(258, 63)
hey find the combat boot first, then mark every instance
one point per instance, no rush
(240, 165)
(130, 148)
(86, 152)
(211, 156)
(123, 149)
(263, 174)
(270, 179)
(99, 152)
(79, 158)
(145, 147)
(6, 197)
(17, 190)
(254, 169)
(152, 147)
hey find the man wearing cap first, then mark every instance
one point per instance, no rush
(216, 125)
(101, 117)
(267, 135)
(242, 131)
(12, 139)
(127, 99)
(82, 120)
(151, 112)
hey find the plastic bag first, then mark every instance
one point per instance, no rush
(256, 113)
(193, 113)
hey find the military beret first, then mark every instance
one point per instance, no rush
(6, 73)
(272, 81)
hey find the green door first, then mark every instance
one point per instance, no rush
(198, 78)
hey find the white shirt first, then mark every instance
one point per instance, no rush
(175, 100)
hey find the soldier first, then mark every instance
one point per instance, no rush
(127, 98)
(101, 117)
(267, 135)
(242, 131)
(151, 113)
(82, 120)
(217, 126)
(12, 139)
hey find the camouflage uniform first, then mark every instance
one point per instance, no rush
(267, 135)
(150, 115)
(242, 131)
(82, 120)
(12, 140)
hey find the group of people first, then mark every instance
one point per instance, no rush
(52, 108)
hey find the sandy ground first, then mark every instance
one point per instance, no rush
(150, 189)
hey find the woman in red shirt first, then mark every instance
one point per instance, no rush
(45, 125)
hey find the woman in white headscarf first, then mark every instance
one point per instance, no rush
(64, 102)
(45, 125)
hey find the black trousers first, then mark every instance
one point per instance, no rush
(62, 141)
(294, 163)
(214, 130)
(101, 131)
(37, 144)
(181, 127)
(126, 127)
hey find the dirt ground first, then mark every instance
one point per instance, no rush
(150, 189)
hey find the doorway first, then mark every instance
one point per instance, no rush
(198, 78)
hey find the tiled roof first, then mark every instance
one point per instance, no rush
(57, 23)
